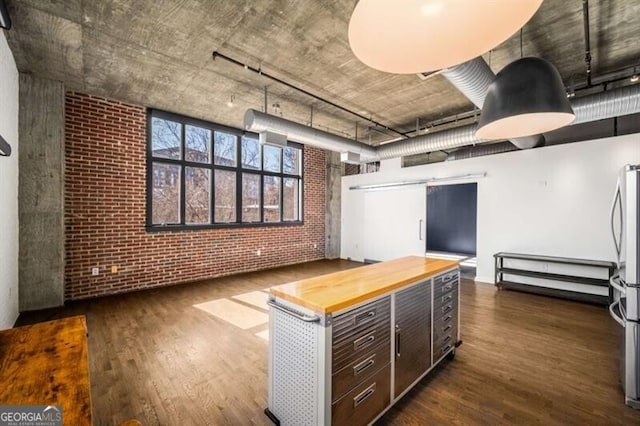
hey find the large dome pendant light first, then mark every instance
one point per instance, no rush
(526, 98)
(415, 36)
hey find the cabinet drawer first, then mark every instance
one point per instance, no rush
(365, 401)
(441, 280)
(360, 369)
(450, 307)
(355, 346)
(364, 316)
(440, 350)
(444, 325)
(440, 300)
(448, 337)
(445, 288)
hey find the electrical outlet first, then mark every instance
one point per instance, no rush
(258, 252)
(114, 269)
(95, 271)
(315, 246)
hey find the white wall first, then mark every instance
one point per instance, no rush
(552, 201)
(8, 187)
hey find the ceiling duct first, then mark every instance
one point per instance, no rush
(472, 79)
(437, 141)
(613, 103)
(609, 104)
(481, 150)
(257, 121)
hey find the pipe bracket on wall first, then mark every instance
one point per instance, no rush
(5, 148)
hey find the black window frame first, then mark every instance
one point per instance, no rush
(238, 169)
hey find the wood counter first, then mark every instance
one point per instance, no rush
(47, 364)
(333, 292)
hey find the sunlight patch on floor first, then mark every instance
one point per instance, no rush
(234, 313)
(264, 334)
(254, 298)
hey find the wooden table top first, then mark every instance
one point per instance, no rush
(47, 364)
(333, 292)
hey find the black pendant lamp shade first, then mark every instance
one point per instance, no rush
(5, 148)
(526, 98)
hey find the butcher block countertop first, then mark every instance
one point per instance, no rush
(46, 364)
(330, 293)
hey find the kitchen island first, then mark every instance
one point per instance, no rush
(344, 347)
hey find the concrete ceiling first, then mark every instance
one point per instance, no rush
(158, 53)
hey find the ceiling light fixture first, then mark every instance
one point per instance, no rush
(5, 148)
(634, 78)
(5, 19)
(526, 98)
(427, 35)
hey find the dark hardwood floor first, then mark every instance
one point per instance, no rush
(525, 359)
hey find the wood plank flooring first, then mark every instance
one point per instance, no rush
(525, 359)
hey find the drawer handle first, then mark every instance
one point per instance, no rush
(397, 341)
(447, 308)
(363, 341)
(447, 288)
(447, 328)
(447, 318)
(367, 316)
(362, 396)
(357, 369)
(446, 298)
(447, 338)
(446, 348)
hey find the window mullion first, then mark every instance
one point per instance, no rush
(212, 196)
(183, 183)
(238, 179)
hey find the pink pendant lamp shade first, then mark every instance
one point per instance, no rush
(414, 36)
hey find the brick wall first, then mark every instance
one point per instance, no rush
(105, 187)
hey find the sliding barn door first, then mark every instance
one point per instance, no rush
(394, 223)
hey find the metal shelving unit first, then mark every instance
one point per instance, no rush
(501, 270)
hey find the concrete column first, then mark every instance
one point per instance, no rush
(41, 193)
(332, 213)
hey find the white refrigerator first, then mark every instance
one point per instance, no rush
(625, 309)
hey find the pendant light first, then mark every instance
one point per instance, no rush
(5, 148)
(526, 98)
(415, 36)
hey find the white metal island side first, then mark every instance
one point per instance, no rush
(344, 347)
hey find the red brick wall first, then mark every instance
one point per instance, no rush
(105, 187)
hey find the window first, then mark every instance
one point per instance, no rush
(203, 175)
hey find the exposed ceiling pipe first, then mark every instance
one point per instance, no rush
(447, 139)
(259, 71)
(587, 39)
(613, 103)
(257, 121)
(481, 150)
(473, 78)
